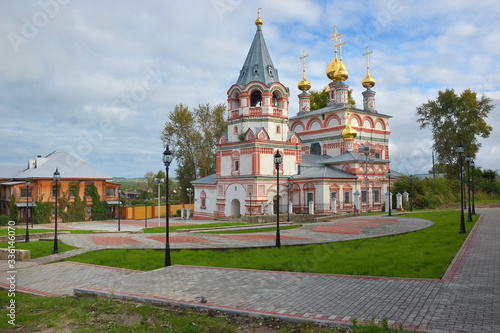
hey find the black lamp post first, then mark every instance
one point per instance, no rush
(250, 204)
(390, 199)
(288, 203)
(460, 151)
(145, 213)
(119, 207)
(277, 162)
(28, 183)
(366, 150)
(411, 193)
(468, 158)
(190, 193)
(57, 177)
(167, 159)
(472, 164)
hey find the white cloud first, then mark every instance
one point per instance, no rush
(60, 86)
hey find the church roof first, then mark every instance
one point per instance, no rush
(205, 180)
(324, 171)
(350, 156)
(258, 65)
(330, 108)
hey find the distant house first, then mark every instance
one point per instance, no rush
(40, 172)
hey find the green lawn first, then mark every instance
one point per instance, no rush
(22, 231)
(423, 254)
(156, 230)
(39, 249)
(87, 313)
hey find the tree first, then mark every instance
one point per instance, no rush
(99, 208)
(453, 119)
(14, 211)
(319, 98)
(192, 138)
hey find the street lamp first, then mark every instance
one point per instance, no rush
(250, 204)
(119, 207)
(158, 181)
(190, 193)
(167, 159)
(28, 183)
(411, 193)
(460, 150)
(367, 151)
(145, 213)
(277, 162)
(472, 164)
(57, 177)
(288, 203)
(468, 159)
(390, 203)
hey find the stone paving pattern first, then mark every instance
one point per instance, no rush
(467, 299)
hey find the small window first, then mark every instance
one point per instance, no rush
(377, 155)
(203, 203)
(71, 193)
(347, 197)
(334, 195)
(88, 188)
(278, 129)
(235, 129)
(363, 196)
(110, 192)
(88, 211)
(54, 191)
(23, 193)
(376, 193)
(236, 165)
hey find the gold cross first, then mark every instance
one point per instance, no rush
(367, 54)
(334, 37)
(304, 61)
(340, 44)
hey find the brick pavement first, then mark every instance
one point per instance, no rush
(467, 299)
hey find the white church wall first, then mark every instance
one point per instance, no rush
(246, 164)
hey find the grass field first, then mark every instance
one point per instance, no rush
(423, 254)
(39, 249)
(86, 313)
(155, 230)
(22, 231)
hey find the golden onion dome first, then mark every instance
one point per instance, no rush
(304, 84)
(332, 67)
(258, 21)
(341, 74)
(368, 82)
(349, 133)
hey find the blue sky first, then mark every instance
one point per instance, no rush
(97, 79)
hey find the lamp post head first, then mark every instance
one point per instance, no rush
(468, 158)
(472, 163)
(460, 148)
(167, 157)
(277, 158)
(57, 175)
(389, 174)
(28, 182)
(366, 148)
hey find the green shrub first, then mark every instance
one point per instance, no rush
(14, 211)
(42, 212)
(4, 220)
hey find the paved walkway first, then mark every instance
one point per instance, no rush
(467, 299)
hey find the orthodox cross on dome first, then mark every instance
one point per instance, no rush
(340, 45)
(367, 54)
(334, 38)
(304, 56)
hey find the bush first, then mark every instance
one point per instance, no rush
(4, 220)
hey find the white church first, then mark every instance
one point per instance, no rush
(328, 156)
